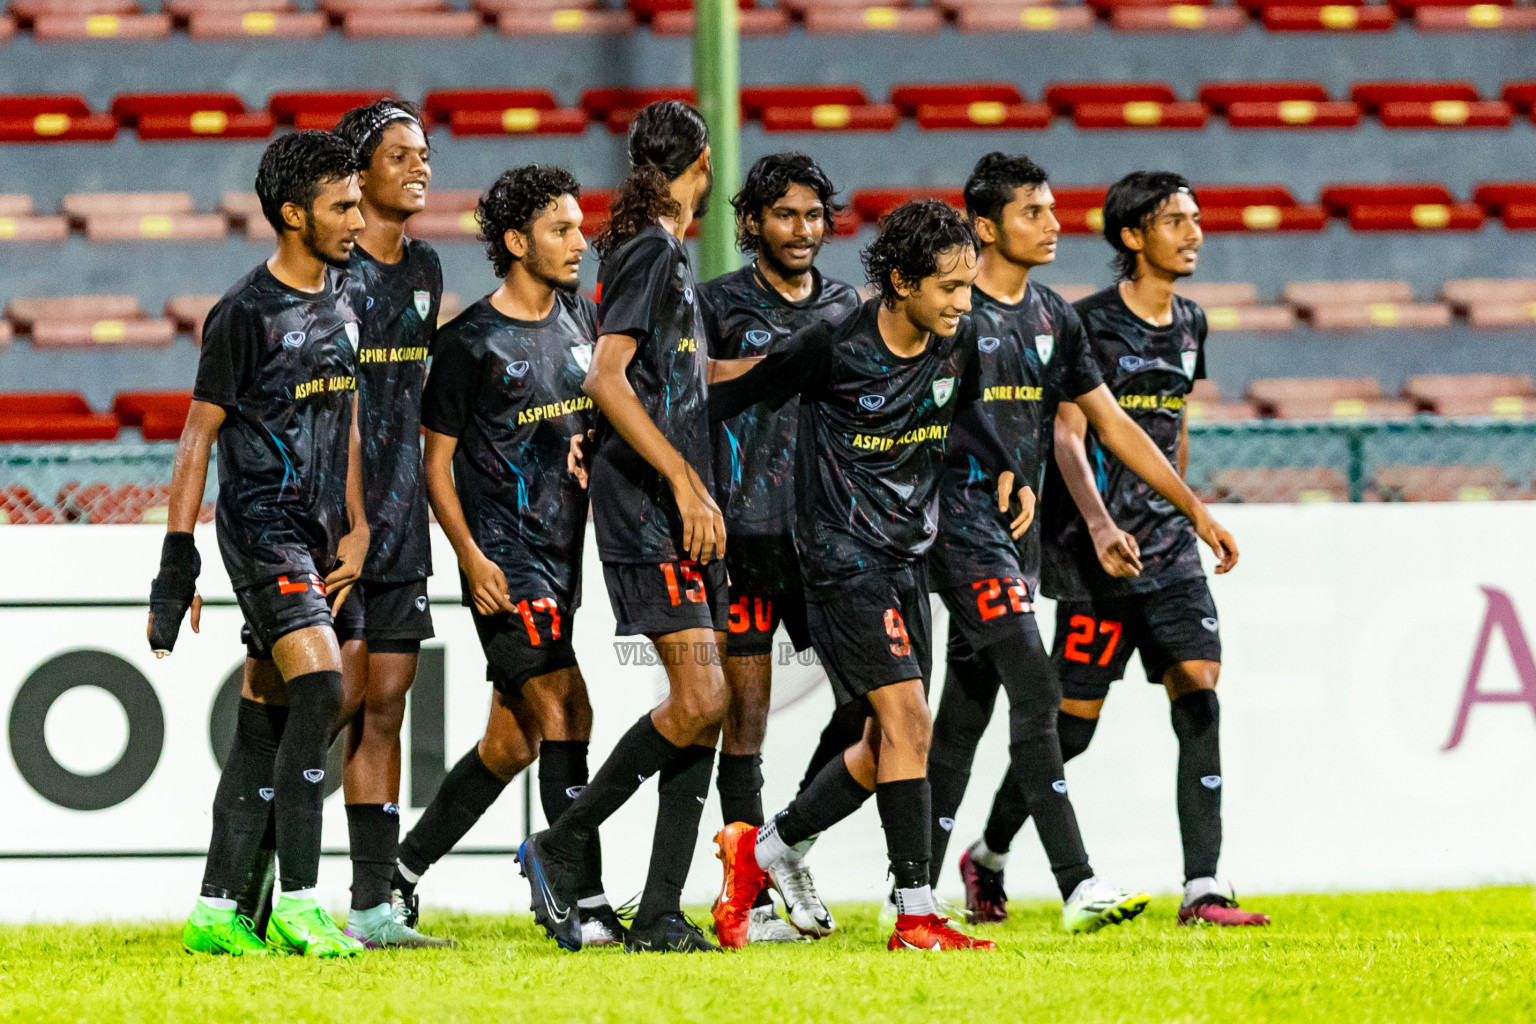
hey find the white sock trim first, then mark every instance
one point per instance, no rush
(216, 903)
(590, 902)
(301, 894)
(1199, 888)
(915, 902)
(769, 847)
(406, 873)
(988, 858)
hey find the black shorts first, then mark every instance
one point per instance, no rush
(531, 641)
(287, 604)
(655, 599)
(396, 617)
(872, 630)
(1095, 639)
(986, 612)
(756, 617)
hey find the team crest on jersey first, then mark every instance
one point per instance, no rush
(293, 339)
(758, 338)
(872, 402)
(1131, 364)
(423, 303)
(1189, 359)
(583, 355)
(988, 344)
(1045, 344)
(518, 369)
(350, 327)
(943, 388)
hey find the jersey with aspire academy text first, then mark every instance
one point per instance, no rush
(872, 431)
(646, 291)
(1032, 356)
(1150, 370)
(399, 319)
(755, 452)
(283, 365)
(510, 391)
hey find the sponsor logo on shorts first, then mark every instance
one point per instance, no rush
(1210, 625)
(305, 581)
(758, 339)
(1060, 786)
(872, 402)
(421, 603)
(1211, 781)
(314, 774)
(518, 369)
(988, 344)
(265, 792)
(293, 339)
(947, 824)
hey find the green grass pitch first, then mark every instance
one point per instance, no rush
(1387, 957)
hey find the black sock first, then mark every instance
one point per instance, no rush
(740, 782)
(373, 833)
(844, 729)
(314, 700)
(906, 811)
(682, 791)
(465, 795)
(965, 708)
(640, 753)
(562, 777)
(1010, 808)
(254, 901)
(1036, 765)
(1197, 724)
(832, 796)
(242, 801)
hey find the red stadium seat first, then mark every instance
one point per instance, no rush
(212, 23)
(617, 107)
(80, 205)
(1244, 195)
(1139, 114)
(645, 10)
(757, 21)
(53, 118)
(1256, 208)
(1430, 105)
(1416, 217)
(190, 116)
(445, 23)
(1465, 292)
(52, 416)
(829, 18)
(43, 403)
(188, 312)
(1339, 198)
(1065, 96)
(815, 108)
(319, 109)
(1481, 17)
(19, 223)
(871, 204)
(439, 104)
(56, 28)
(1293, 114)
(1305, 294)
(503, 111)
(1079, 209)
(1024, 16)
(1440, 483)
(1520, 95)
(1329, 18)
(84, 320)
(18, 505)
(1235, 307)
(1493, 196)
(1287, 485)
(594, 205)
(1220, 95)
(970, 105)
(909, 97)
(1371, 95)
(1176, 17)
(1508, 396)
(1350, 305)
(564, 21)
(132, 406)
(756, 98)
(28, 11)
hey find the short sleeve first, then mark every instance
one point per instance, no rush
(970, 369)
(1079, 369)
(451, 386)
(709, 310)
(231, 351)
(1202, 328)
(632, 288)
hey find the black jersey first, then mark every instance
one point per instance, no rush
(1032, 356)
(646, 291)
(510, 391)
(283, 365)
(399, 319)
(1150, 370)
(873, 428)
(755, 452)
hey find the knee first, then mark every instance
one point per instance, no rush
(1195, 713)
(505, 756)
(705, 705)
(909, 729)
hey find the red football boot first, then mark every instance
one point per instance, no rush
(985, 900)
(1220, 911)
(739, 887)
(932, 932)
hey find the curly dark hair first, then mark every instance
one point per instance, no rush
(994, 180)
(296, 167)
(768, 181)
(664, 140)
(363, 127)
(911, 238)
(1132, 203)
(514, 201)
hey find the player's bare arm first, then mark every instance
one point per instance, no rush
(729, 369)
(488, 584)
(1132, 446)
(352, 549)
(578, 459)
(610, 391)
(1116, 549)
(174, 590)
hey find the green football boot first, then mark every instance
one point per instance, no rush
(303, 928)
(221, 933)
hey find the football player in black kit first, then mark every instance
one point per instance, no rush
(879, 391)
(1033, 356)
(404, 283)
(502, 404)
(1121, 561)
(659, 531)
(276, 387)
(783, 214)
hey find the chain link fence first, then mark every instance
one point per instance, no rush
(1267, 461)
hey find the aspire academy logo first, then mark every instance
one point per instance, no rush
(1500, 617)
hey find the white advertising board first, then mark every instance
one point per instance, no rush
(1378, 725)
